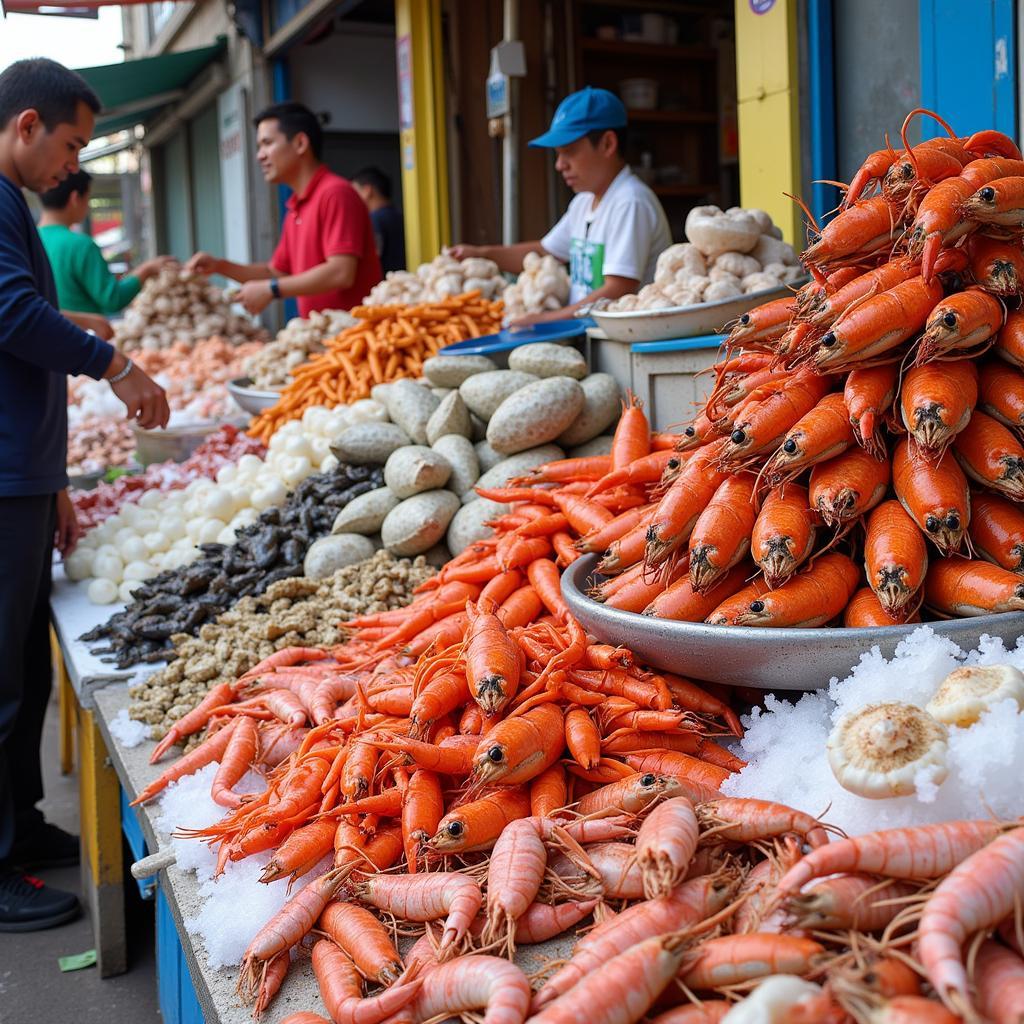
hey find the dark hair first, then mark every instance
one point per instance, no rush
(621, 138)
(59, 197)
(48, 88)
(375, 178)
(294, 118)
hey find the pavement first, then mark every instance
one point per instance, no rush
(32, 986)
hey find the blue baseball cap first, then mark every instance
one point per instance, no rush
(582, 112)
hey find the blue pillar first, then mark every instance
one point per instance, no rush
(821, 89)
(282, 84)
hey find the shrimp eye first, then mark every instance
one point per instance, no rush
(907, 171)
(690, 432)
(953, 521)
(987, 194)
(496, 754)
(673, 463)
(757, 607)
(789, 446)
(828, 340)
(745, 319)
(932, 523)
(949, 319)
(738, 437)
(455, 829)
(648, 779)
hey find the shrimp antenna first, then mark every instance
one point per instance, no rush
(803, 206)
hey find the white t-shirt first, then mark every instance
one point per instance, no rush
(623, 237)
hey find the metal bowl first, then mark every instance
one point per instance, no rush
(252, 400)
(683, 321)
(766, 659)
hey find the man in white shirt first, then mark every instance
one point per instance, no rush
(615, 228)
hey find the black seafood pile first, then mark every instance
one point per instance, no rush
(272, 548)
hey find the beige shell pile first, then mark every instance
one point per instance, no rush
(542, 286)
(727, 254)
(176, 305)
(299, 339)
(441, 278)
(292, 612)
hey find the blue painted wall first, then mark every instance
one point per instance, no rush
(969, 64)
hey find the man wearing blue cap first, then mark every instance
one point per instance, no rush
(615, 228)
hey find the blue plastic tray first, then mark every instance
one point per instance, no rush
(505, 341)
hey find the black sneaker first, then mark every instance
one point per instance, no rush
(29, 905)
(46, 846)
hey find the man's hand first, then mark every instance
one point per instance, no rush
(203, 263)
(68, 530)
(99, 325)
(255, 296)
(462, 251)
(144, 271)
(145, 399)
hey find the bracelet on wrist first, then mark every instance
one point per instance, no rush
(118, 377)
(275, 288)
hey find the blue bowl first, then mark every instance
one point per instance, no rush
(506, 340)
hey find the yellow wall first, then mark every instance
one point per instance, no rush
(423, 145)
(769, 121)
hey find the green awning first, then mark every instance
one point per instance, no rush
(132, 92)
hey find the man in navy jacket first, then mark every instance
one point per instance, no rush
(46, 116)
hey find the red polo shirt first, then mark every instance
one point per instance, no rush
(328, 219)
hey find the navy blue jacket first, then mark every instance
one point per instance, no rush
(38, 349)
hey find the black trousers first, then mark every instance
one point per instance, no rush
(27, 528)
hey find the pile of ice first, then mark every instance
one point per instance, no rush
(127, 731)
(785, 743)
(236, 905)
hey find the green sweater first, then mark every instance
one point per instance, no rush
(84, 281)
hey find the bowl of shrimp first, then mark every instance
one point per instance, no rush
(755, 656)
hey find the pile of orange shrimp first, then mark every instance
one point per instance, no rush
(861, 452)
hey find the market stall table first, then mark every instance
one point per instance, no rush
(80, 675)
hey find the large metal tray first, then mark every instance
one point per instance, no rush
(683, 321)
(766, 659)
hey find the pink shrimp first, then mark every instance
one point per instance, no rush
(759, 911)
(427, 897)
(543, 921)
(742, 820)
(734, 959)
(978, 893)
(692, 902)
(926, 851)
(487, 983)
(999, 982)
(273, 979)
(619, 875)
(277, 742)
(623, 990)
(849, 901)
(341, 989)
(665, 845)
(285, 929)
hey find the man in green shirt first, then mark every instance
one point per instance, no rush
(85, 283)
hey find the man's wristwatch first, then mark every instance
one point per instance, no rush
(118, 377)
(275, 288)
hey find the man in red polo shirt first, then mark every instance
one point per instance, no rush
(327, 256)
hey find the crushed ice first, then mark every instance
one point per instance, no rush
(127, 731)
(785, 743)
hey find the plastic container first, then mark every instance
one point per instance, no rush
(604, 355)
(639, 93)
(669, 377)
(174, 444)
(497, 346)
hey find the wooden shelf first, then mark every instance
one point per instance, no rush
(669, 190)
(652, 51)
(672, 117)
